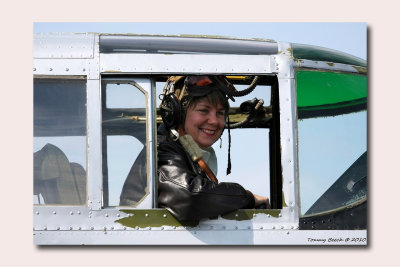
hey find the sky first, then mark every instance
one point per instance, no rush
(346, 37)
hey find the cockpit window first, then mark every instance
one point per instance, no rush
(59, 142)
(332, 140)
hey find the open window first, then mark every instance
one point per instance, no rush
(255, 138)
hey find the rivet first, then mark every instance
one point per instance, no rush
(174, 227)
(162, 227)
(54, 212)
(268, 215)
(118, 215)
(50, 69)
(224, 227)
(66, 69)
(280, 214)
(34, 69)
(104, 228)
(106, 215)
(71, 213)
(79, 212)
(165, 215)
(149, 228)
(45, 228)
(124, 227)
(236, 227)
(273, 227)
(287, 232)
(37, 212)
(282, 227)
(249, 227)
(92, 228)
(147, 215)
(70, 228)
(261, 227)
(58, 228)
(236, 215)
(112, 227)
(79, 228)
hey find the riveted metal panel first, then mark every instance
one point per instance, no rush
(59, 67)
(183, 63)
(94, 150)
(202, 237)
(63, 45)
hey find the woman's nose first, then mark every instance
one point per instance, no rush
(212, 118)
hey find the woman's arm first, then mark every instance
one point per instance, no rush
(188, 193)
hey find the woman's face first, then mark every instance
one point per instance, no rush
(205, 122)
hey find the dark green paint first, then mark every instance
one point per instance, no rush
(152, 218)
(301, 51)
(162, 217)
(243, 215)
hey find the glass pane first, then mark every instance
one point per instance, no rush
(332, 161)
(124, 95)
(124, 152)
(124, 145)
(59, 141)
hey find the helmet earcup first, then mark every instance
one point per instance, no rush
(171, 111)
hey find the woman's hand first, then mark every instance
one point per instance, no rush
(260, 200)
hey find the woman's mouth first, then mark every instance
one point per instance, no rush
(208, 131)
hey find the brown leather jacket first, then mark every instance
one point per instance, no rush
(187, 192)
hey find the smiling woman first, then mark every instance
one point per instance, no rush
(186, 188)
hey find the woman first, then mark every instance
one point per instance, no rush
(184, 188)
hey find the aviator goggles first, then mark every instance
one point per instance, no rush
(203, 85)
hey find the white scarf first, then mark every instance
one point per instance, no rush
(211, 159)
